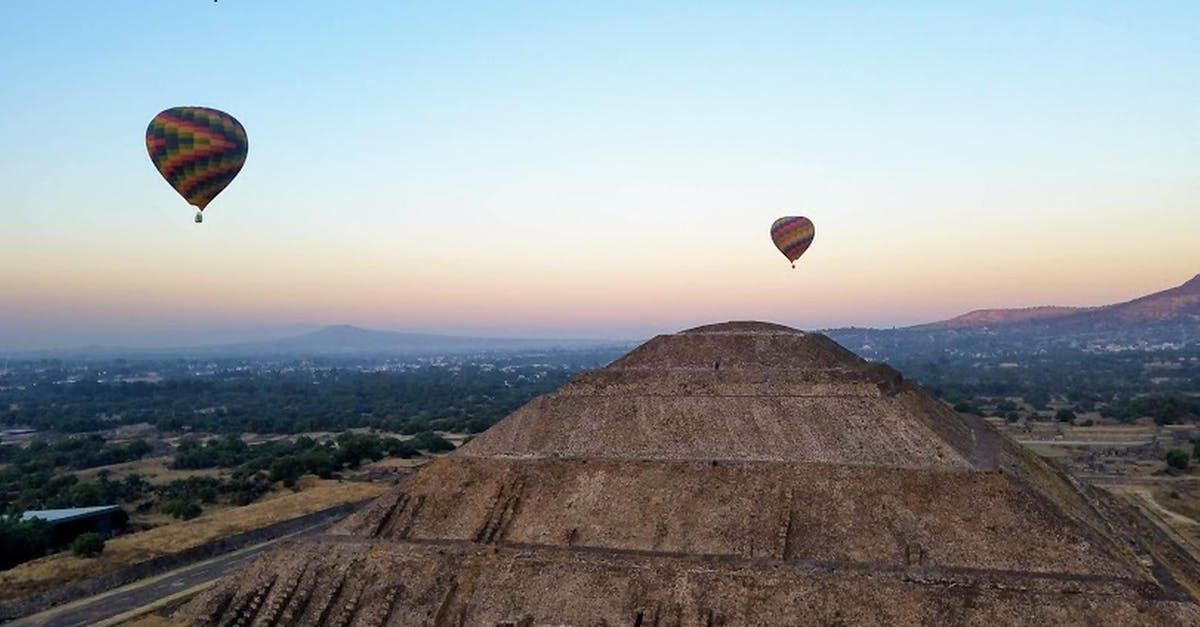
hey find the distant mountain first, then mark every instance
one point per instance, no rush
(986, 317)
(1163, 320)
(346, 339)
(1180, 303)
(337, 340)
(1177, 303)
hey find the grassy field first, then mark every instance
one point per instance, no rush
(216, 522)
(156, 470)
(397, 462)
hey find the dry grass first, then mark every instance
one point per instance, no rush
(216, 522)
(1180, 496)
(1177, 505)
(1050, 451)
(399, 462)
(156, 470)
(1171, 508)
(153, 620)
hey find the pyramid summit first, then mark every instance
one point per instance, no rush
(743, 473)
(737, 391)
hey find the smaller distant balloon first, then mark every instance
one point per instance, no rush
(792, 236)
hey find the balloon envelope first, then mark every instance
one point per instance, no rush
(792, 236)
(198, 150)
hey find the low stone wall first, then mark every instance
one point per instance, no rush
(163, 563)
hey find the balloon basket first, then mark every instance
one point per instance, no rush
(199, 217)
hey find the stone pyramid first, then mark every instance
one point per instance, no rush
(735, 474)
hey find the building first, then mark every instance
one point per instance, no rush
(734, 474)
(73, 521)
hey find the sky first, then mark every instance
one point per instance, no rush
(592, 169)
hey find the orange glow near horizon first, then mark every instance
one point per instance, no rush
(522, 289)
(588, 170)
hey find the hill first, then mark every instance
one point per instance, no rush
(1165, 320)
(1178, 303)
(336, 340)
(986, 317)
(346, 339)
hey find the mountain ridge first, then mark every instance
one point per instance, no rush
(339, 339)
(345, 339)
(1181, 302)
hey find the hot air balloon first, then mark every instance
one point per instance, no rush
(792, 236)
(198, 150)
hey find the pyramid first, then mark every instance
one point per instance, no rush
(743, 473)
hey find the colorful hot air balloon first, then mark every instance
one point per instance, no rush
(792, 236)
(198, 150)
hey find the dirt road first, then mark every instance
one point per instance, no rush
(96, 610)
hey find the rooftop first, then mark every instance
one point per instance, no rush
(70, 513)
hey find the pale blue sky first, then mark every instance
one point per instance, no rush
(593, 168)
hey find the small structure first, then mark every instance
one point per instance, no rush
(70, 522)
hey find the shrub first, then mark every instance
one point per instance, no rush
(1064, 415)
(88, 544)
(1177, 459)
(22, 540)
(431, 442)
(181, 509)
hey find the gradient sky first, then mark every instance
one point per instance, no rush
(592, 168)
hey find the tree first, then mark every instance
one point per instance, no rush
(430, 442)
(88, 545)
(1038, 398)
(1177, 459)
(22, 540)
(86, 494)
(184, 510)
(1064, 415)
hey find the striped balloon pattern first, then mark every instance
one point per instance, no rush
(792, 236)
(198, 150)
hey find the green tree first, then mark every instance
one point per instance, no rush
(1038, 398)
(1064, 415)
(1177, 459)
(430, 442)
(22, 540)
(86, 494)
(88, 544)
(181, 509)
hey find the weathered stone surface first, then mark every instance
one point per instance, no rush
(736, 474)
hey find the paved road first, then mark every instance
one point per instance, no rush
(93, 610)
(1136, 479)
(1124, 444)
